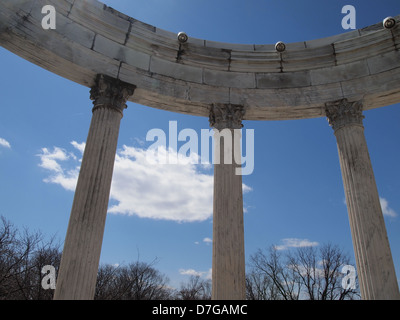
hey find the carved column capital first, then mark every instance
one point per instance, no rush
(342, 112)
(224, 116)
(110, 93)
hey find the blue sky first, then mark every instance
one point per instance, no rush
(294, 196)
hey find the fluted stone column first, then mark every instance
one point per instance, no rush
(81, 254)
(228, 261)
(374, 261)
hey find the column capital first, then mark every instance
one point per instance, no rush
(342, 113)
(223, 116)
(110, 93)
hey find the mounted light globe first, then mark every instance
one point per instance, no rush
(182, 37)
(280, 46)
(389, 23)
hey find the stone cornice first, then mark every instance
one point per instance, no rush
(91, 38)
(342, 113)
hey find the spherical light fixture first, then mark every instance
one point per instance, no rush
(389, 23)
(280, 46)
(182, 37)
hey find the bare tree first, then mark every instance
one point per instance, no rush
(320, 272)
(196, 289)
(108, 285)
(22, 256)
(48, 253)
(8, 259)
(137, 281)
(259, 286)
(273, 279)
(303, 273)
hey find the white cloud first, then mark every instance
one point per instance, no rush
(5, 143)
(52, 160)
(49, 159)
(295, 243)
(207, 240)
(246, 188)
(191, 272)
(141, 185)
(386, 210)
(79, 146)
(163, 191)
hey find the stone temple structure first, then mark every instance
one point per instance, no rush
(122, 59)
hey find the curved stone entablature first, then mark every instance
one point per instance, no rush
(91, 38)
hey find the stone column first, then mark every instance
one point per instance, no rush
(228, 262)
(374, 261)
(80, 258)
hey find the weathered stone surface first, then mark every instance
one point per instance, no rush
(383, 62)
(308, 59)
(356, 87)
(229, 79)
(229, 46)
(176, 70)
(396, 34)
(93, 38)
(228, 262)
(121, 53)
(283, 80)
(255, 61)
(58, 53)
(375, 268)
(81, 254)
(278, 101)
(95, 16)
(360, 48)
(339, 73)
(207, 58)
(152, 41)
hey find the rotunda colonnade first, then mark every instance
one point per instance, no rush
(122, 59)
